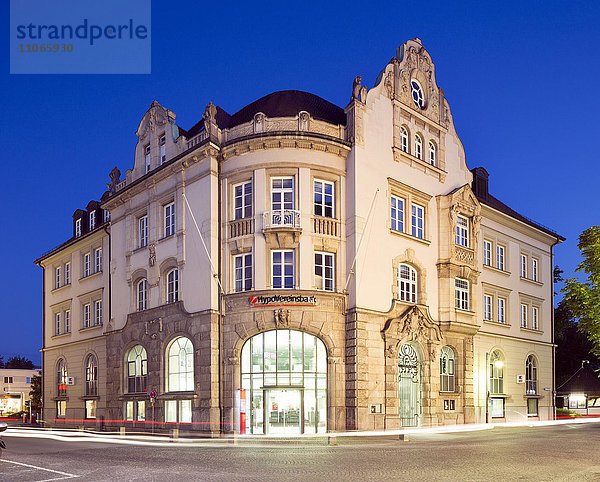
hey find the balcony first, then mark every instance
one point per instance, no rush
(241, 227)
(285, 218)
(326, 226)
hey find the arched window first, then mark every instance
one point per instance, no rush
(496, 372)
(180, 365)
(173, 286)
(418, 147)
(432, 153)
(447, 365)
(91, 376)
(61, 378)
(531, 375)
(141, 291)
(417, 93)
(137, 369)
(407, 283)
(404, 139)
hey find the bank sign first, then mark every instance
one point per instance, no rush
(282, 300)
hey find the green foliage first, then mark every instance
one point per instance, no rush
(36, 393)
(583, 298)
(1, 362)
(19, 362)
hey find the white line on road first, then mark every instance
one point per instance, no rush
(64, 474)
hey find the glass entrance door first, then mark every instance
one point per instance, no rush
(409, 386)
(283, 411)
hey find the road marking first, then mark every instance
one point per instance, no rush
(64, 474)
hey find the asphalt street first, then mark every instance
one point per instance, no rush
(564, 452)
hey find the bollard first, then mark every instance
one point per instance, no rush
(121, 430)
(403, 437)
(331, 440)
(175, 434)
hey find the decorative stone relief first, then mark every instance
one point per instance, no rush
(303, 121)
(152, 254)
(282, 318)
(153, 328)
(414, 324)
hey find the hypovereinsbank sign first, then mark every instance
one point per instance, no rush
(282, 300)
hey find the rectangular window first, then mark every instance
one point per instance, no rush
(178, 411)
(129, 410)
(169, 211)
(8, 379)
(497, 407)
(523, 315)
(324, 198)
(106, 214)
(487, 307)
(397, 213)
(67, 321)
(500, 257)
(98, 312)
(243, 272)
(97, 260)
(163, 151)
(28, 380)
(242, 200)
(535, 318)
(534, 269)
(147, 157)
(501, 310)
(68, 273)
(141, 410)
(61, 408)
(487, 253)
(87, 311)
(92, 224)
(57, 324)
(90, 409)
(86, 265)
(170, 410)
(417, 221)
(532, 407)
(143, 231)
(461, 287)
(324, 271)
(461, 237)
(78, 227)
(523, 266)
(282, 269)
(57, 277)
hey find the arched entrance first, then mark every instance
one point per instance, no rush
(285, 375)
(409, 385)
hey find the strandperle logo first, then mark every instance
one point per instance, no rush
(85, 31)
(80, 37)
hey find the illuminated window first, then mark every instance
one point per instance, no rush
(61, 378)
(531, 375)
(447, 365)
(91, 376)
(487, 307)
(137, 369)
(461, 289)
(496, 372)
(178, 411)
(180, 365)
(407, 283)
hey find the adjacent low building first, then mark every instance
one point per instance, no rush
(15, 385)
(303, 268)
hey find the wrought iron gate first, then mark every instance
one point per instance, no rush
(409, 385)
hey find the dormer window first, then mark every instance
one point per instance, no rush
(106, 214)
(78, 227)
(147, 157)
(92, 220)
(163, 153)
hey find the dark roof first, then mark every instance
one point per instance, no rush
(498, 205)
(585, 380)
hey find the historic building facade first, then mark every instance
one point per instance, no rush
(336, 269)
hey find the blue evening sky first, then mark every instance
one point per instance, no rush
(521, 79)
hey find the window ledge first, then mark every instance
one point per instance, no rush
(139, 248)
(532, 281)
(531, 330)
(59, 288)
(91, 275)
(499, 395)
(467, 312)
(453, 394)
(497, 323)
(410, 236)
(90, 397)
(141, 396)
(178, 395)
(497, 270)
(61, 335)
(539, 397)
(61, 399)
(89, 328)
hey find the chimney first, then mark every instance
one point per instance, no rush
(480, 183)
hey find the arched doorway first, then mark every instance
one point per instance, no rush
(409, 386)
(285, 375)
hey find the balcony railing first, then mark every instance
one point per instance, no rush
(241, 227)
(326, 226)
(285, 218)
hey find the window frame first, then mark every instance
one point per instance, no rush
(408, 288)
(501, 302)
(241, 282)
(57, 323)
(531, 375)
(324, 266)
(169, 219)
(98, 259)
(416, 230)
(419, 146)
(487, 253)
(535, 269)
(147, 158)
(141, 296)
(535, 318)
(245, 210)
(524, 315)
(172, 288)
(162, 146)
(500, 256)
(447, 370)
(87, 264)
(138, 380)
(461, 231)
(67, 273)
(57, 277)
(67, 321)
(323, 204)
(91, 376)
(496, 373)
(283, 275)
(523, 265)
(397, 222)
(462, 294)
(142, 226)
(404, 137)
(432, 153)
(488, 303)
(173, 368)
(86, 318)
(92, 220)
(78, 227)
(97, 312)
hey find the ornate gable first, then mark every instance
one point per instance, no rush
(414, 324)
(155, 117)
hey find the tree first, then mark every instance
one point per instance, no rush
(1, 362)
(583, 297)
(19, 362)
(36, 393)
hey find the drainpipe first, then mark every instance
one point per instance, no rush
(43, 336)
(553, 393)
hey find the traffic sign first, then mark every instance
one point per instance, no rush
(153, 394)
